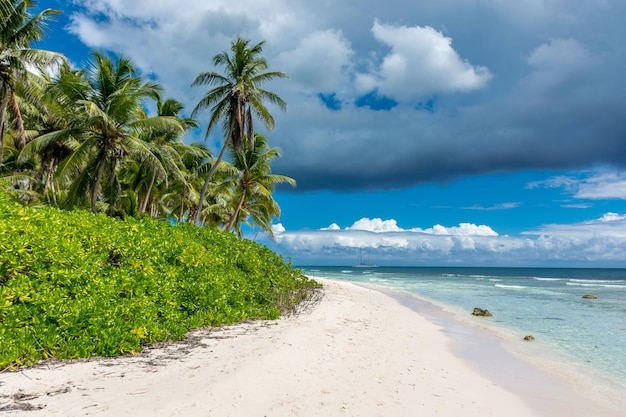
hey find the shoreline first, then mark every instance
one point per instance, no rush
(533, 369)
(358, 352)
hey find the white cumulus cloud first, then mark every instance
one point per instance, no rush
(421, 62)
(277, 228)
(601, 241)
(375, 225)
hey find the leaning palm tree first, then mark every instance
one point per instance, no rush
(111, 121)
(255, 183)
(19, 30)
(236, 97)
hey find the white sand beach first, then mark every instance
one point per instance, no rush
(358, 352)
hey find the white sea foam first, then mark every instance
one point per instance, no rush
(515, 287)
(580, 284)
(549, 279)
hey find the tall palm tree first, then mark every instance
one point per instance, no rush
(19, 30)
(236, 97)
(255, 183)
(112, 119)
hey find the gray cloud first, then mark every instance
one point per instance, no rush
(467, 88)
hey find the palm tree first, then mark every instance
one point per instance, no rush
(19, 30)
(111, 121)
(254, 185)
(51, 113)
(182, 196)
(236, 97)
(167, 145)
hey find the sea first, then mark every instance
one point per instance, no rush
(546, 303)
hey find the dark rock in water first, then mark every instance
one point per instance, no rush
(529, 338)
(590, 296)
(480, 312)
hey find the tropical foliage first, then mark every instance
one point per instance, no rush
(236, 97)
(19, 30)
(92, 183)
(77, 285)
(253, 185)
(83, 137)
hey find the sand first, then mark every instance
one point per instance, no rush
(358, 352)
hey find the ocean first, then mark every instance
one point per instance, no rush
(547, 303)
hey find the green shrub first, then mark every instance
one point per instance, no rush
(74, 284)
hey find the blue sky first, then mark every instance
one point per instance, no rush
(429, 133)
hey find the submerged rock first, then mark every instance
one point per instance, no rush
(529, 338)
(480, 312)
(590, 296)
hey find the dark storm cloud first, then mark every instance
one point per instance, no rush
(511, 85)
(566, 109)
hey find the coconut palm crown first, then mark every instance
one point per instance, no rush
(237, 96)
(19, 29)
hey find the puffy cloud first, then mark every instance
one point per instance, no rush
(375, 225)
(421, 62)
(278, 228)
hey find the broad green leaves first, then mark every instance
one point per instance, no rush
(74, 284)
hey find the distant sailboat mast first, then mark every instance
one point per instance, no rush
(362, 264)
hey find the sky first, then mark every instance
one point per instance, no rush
(461, 133)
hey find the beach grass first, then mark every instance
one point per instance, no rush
(76, 285)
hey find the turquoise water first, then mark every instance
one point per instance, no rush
(546, 303)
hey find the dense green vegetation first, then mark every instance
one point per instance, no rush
(89, 182)
(83, 137)
(74, 284)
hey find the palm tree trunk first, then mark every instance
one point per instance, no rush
(20, 122)
(144, 203)
(52, 187)
(181, 212)
(98, 183)
(3, 122)
(233, 218)
(205, 187)
(48, 178)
